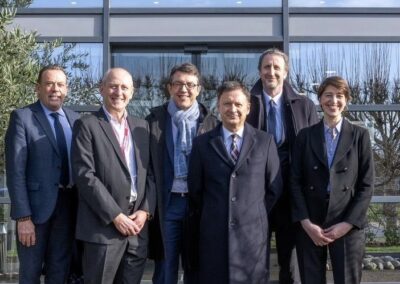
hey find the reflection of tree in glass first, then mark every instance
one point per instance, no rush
(83, 79)
(372, 71)
(150, 72)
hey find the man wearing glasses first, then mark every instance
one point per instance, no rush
(173, 127)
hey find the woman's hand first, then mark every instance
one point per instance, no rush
(316, 233)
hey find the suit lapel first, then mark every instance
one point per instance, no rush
(318, 144)
(70, 117)
(344, 143)
(247, 145)
(140, 145)
(217, 143)
(169, 138)
(43, 121)
(109, 132)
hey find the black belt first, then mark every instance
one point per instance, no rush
(181, 194)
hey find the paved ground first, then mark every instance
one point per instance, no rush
(369, 277)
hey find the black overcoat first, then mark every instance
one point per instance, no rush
(231, 203)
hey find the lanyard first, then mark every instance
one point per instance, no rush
(123, 145)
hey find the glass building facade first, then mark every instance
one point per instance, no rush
(358, 40)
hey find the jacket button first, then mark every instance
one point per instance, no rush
(128, 197)
(311, 187)
(315, 168)
(232, 223)
(345, 169)
(233, 198)
(234, 175)
(345, 188)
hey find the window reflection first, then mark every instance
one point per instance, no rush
(150, 72)
(66, 4)
(343, 3)
(83, 63)
(219, 67)
(195, 3)
(373, 73)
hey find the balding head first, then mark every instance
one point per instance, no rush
(117, 90)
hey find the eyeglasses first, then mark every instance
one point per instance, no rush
(188, 85)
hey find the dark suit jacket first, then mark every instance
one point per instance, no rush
(104, 182)
(162, 153)
(232, 203)
(351, 176)
(33, 163)
(299, 112)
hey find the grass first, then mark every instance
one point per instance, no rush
(382, 249)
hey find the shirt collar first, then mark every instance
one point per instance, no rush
(48, 112)
(228, 133)
(113, 119)
(277, 99)
(338, 126)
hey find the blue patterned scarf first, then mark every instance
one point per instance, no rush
(186, 122)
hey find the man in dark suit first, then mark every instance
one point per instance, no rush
(234, 181)
(110, 155)
(279, 110)
(173, 126)
(43, 199)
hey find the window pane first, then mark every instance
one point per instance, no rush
(219, 67)
(83, 63)
(373, 73)
(195, 3)
(66, 4)
(344, 3)
(150, 72)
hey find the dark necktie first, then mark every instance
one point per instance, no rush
(272, 120)
(62, 147)
(234, 148)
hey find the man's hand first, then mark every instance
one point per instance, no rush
(26, 233)
(139, 217)
(316, 233)
(338, 230)
(125, 225)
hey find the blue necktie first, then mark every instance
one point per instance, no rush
(62, 147)
(272, 123)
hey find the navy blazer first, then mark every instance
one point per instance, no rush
(33, 163)
(351, 177)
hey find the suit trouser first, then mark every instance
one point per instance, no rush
(345, 253)
(52, 252)
(285, 239)
(166, 270)
(111, 263)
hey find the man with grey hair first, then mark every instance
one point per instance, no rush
(111, 165)
(277, 109)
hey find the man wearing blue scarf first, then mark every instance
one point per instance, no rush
(173, 127)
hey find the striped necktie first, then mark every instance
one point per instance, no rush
(234, 148)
